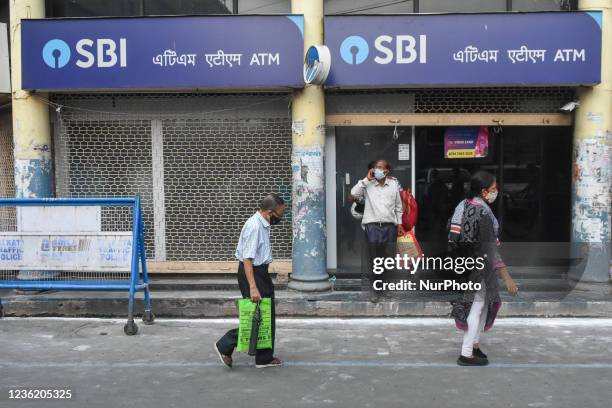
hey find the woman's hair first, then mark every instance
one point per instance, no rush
(481, 180)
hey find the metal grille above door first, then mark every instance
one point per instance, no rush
(200, 163)
(451, 100)
(534, 106)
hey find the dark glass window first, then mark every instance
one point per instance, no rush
(4, 13)
(92, 8)
(461, 6)
(368, 7)
(533, 170)
(540, 5)
(264, 6)
(170, 7)
(121, 8)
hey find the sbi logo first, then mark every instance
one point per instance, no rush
(401, 49)
(103, 52)
(354, 50)
(56, 53)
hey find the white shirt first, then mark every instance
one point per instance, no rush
(254, 241)
(382, 201)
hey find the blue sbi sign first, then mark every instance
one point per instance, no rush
(183, 53)
(102, 52)
(465, 49)
(355, 50)
(502, 49)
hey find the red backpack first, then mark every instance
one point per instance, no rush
(411, 210)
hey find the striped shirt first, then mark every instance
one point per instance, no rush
(254, 242)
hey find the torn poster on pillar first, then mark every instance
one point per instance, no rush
(308, 189)
(298, 127)
(33, 176)
(592, 189)
(592, 228)
(307, 165)
(594, 117)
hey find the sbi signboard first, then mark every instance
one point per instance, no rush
(503, 49)
(163, 53)
(470, 49)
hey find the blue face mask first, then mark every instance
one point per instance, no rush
(379, 174)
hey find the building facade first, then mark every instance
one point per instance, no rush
(201, 156)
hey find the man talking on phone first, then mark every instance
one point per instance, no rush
(254, 252)
(382, 216)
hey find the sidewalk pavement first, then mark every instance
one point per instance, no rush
(206, 303)
(329, 362)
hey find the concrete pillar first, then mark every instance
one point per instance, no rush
(308, 195)
(592, 175)
(31, 128)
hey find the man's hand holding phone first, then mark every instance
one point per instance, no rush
(370, 174)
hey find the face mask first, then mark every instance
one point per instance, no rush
(491, 196)
(379, 174)
(274, 219)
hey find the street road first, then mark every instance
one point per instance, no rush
(329, 362)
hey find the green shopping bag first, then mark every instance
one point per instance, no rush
(246, 308)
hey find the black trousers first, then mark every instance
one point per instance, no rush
(381, 241)
(264, 284)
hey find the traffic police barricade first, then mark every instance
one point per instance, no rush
(75, 244)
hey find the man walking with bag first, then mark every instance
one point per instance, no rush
(254, 252)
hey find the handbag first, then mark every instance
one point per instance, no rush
(407, 244)
(410, 215)
(254, 325)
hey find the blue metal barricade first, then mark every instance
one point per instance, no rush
(71, 263)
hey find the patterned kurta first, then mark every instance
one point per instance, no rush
(473, 233)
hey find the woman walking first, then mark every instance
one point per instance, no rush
(474, 233)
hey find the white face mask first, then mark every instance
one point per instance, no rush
(379, 174)
(491, 197)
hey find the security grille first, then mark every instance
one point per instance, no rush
(8, 220)
(103, 157)
(215, 172)
(369, 102)
(201, 164)
(451, 100)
